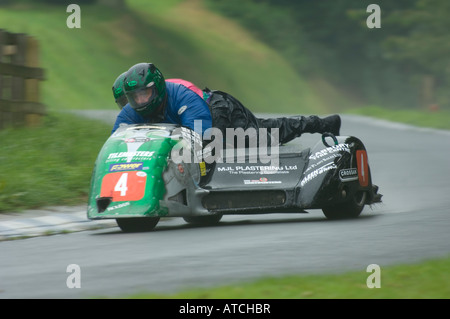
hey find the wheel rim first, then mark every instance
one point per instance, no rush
(360, 198)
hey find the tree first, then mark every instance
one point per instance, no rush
(425, 47)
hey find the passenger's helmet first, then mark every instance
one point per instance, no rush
(145, 88)
(118, 92)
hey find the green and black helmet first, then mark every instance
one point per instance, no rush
(118, 92)
(145, 88)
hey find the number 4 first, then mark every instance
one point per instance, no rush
(121, 185)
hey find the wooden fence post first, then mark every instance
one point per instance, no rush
(2, 112)
(19, 80)
(32, 85)
(18, 83)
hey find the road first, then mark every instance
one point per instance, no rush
(410, 165)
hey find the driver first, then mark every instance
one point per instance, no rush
(154, 100)
(121, 100)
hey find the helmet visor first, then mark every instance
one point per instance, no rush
(121, 101)
(142, 97)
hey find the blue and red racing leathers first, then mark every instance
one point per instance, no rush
(183, 107)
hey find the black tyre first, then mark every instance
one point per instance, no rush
(140, 224)
(347, 210)
(204, 220)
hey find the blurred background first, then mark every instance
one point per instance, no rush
(276, 56)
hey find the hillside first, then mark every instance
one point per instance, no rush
(181, 37)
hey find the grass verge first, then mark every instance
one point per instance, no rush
(425, 280)
(51, 164)
(432, 119)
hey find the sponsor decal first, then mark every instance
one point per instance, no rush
(266, 168)
(262, 180)
(136, 140)
(330, 150)
(182, 109)
(323, 161)
(118, 206)
(130, 154)
(317, 172)
(348, 174)
(202, 168)
(136, 166)
(363, 168)
(255, 169)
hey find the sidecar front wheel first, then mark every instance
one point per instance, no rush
(141, 224)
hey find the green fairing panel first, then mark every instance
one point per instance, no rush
(127, 178)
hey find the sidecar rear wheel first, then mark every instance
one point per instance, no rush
(347, 210)
(141, 224)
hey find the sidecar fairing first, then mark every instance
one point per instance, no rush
(335, 178)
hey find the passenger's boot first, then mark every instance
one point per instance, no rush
(330, 124)
(292, 127)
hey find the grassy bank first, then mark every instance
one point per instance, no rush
(181, 37)
(49, 165)
(426, 280)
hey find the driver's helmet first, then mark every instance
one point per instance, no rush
(145, 88)
(118, 92)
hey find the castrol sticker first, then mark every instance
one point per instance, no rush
(363, 168)
(124, 186)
